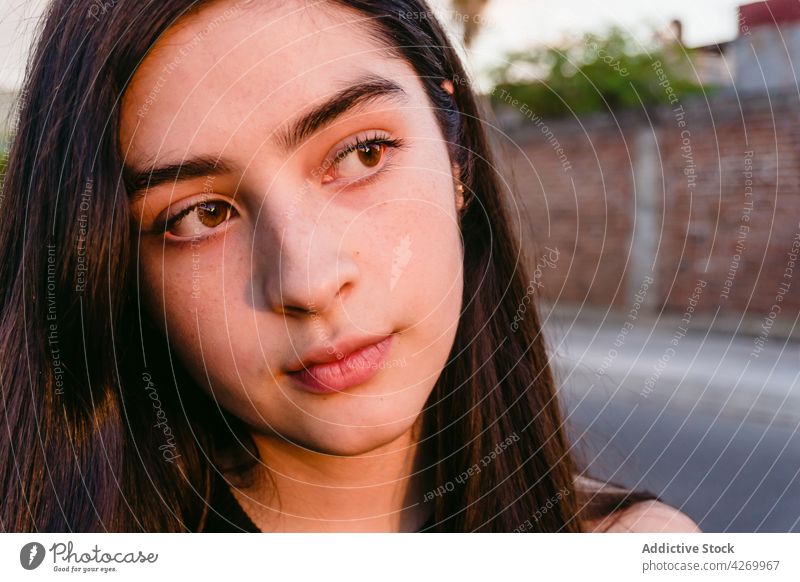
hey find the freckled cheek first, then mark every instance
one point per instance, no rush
(422, 242)
(175, 283)
(187, 291)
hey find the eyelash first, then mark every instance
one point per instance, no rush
(163, 226)
(186, 211)
(377, 139)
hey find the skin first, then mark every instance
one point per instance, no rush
(236, 302)
(643, 517)
(647, 517)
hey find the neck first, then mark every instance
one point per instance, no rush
(295, 489)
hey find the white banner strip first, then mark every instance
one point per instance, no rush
(400, 557)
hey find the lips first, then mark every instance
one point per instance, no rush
(337, 367)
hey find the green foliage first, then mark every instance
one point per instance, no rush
(599, 73)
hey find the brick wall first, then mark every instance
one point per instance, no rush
(712, 187)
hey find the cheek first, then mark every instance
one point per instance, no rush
(171, 279)
(420, 246)
(198, 294)
(414, 246)
(188, 289)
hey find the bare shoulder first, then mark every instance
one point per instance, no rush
(647, 517)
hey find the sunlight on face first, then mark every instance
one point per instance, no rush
(276, 238)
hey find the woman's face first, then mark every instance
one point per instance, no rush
(302, 201)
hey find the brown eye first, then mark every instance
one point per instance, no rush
(364, 156)
(212, 214)
(370, 154)
(361, 158)
(200, 219)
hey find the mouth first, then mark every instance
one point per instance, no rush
(335, 374)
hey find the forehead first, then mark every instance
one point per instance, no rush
(234, 72)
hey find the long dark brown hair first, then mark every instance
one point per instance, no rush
(80, 363)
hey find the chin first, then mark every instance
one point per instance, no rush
(358, 424)
(352, 441)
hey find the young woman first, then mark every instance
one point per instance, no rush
(259, 275)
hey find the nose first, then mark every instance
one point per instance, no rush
(306, 262)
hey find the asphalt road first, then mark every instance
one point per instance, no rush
(709, 426)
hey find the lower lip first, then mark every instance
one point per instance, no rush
(352, 370)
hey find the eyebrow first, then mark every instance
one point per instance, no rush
(364, 90)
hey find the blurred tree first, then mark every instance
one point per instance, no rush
(599, 72)
(468, 14)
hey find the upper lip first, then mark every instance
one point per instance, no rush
(334, 351)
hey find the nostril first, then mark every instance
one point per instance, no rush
(291, 310)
